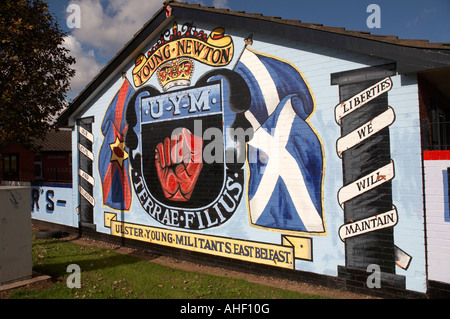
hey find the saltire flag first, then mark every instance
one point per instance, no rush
(113, 157)
(285, 155)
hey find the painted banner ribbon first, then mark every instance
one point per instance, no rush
(368, 182)
(215, 50)
(280, 255)
(365, 131)
(362, 98)
(388, 219)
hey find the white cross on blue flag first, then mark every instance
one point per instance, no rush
(285, 155)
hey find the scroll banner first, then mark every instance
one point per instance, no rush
(389, 219)
(368, 182)
(86, 134)
(362, 98)
(208, 53)
(368, 225)
(86, 195)
(86, 152)
(88, 178)
(283, 255)
(365, 131)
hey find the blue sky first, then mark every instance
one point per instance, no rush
(106, 25)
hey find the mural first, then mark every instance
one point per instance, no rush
(186, 44)
(285, 154)
(176, 185)
(53, 203)
(194, 152)
(365, 116)
(241, 148)
(86, 181)
(186, 181)
(45, 200)
(113, 158)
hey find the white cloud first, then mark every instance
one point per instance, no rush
(220, 4)
(86, 65)
(421, 17)
(107, 25)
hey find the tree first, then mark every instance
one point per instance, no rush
(35, 71)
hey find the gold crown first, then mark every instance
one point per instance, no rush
(175, 73)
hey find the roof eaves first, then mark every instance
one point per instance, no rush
(411, 55)
(339, 30)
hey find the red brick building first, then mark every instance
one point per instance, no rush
(52, 164)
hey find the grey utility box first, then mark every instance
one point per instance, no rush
(15, 234)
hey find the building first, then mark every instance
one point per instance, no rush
(271, 145)
(52, 163)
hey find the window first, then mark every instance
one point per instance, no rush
(442, 127)
(11, 167)
(439, 126)
(38, 166)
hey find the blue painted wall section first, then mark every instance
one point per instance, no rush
(53, 203)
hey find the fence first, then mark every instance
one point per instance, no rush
(435, 135)
(57, 175)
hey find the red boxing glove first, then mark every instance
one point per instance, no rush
(178, 164)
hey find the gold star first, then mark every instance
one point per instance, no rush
(118, 152)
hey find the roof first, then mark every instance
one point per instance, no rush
(338, 30)
(411, 56)
(60, 141)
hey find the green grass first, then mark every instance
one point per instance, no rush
(106, 274)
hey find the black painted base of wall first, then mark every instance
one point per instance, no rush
(391, 285)
(348, 279)
(438, 290)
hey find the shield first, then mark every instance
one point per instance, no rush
(177, 155)
(176, 159)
